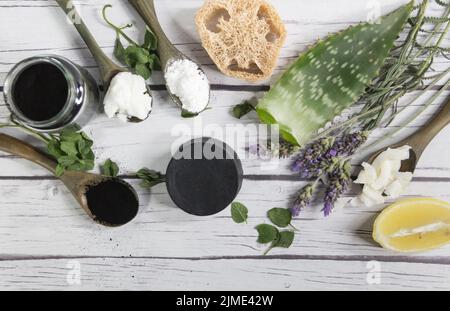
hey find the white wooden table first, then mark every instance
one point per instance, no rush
(45, 237)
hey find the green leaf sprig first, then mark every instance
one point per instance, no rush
(276, 238)
(72, 150)
(280, 218)
(141, 58)
(110, 168)
(150, 178)
(243, 109)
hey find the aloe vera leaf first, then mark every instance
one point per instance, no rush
(329, 77)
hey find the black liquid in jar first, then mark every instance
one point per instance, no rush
(112, 202)
(40, 91)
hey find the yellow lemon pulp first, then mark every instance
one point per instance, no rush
(413, 225)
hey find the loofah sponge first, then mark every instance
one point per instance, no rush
(243, 37)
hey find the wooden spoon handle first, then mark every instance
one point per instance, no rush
(420, 140)
(108, 69)
(167, 51)
(19, 148)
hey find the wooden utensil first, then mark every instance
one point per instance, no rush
(421, 139)
(108, 69)
(76, 182)
(167, 51)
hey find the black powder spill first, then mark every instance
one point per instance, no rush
(40, 91)
(112, 202)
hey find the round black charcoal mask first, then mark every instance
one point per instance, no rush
(204, 177)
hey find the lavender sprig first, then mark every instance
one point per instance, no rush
(338, 183)
(346, 145)
(303, 200)
(327, 157)
(311, 161)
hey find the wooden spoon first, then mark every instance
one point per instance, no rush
(420, 140)
(108, 69)
(168, 53)
(77, 182)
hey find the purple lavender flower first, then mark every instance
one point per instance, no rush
(287, 149)
(338, 183)
(325, 158)
(303, 200)
(310, 162)
(347, 144)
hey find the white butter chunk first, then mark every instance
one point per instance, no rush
(374, 194)
(394, 189)
(383, 178)
(385, 175)
(368, 175)
(127, 97)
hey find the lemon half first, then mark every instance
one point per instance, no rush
(413, 225)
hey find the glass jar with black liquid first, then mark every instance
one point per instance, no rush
(48, 93)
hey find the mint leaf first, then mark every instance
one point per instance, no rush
(72, 150)
(75, 167)
(142, 59)
(153, 63)
(150, 178)
(66, 161)
(243, 109)
(88, 165)
(239, 213)
(266, 233)
(143, 71)
(53, 149)
(285, 239)
(110, 168)
(70, 133)
(69, 147)
(135, 55)
(59, 170)
(188, 115)
(84, 148)
(119, 50)
(150, 41)
(89, 156)
(280, 217)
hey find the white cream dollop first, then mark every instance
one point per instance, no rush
(185, 80)
(383, 180)
(127, 97)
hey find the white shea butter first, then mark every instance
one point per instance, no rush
(185, 80)
(127, 97)
(383, 179)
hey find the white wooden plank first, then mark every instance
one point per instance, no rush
(306, 21)
(39, 218)
(186, 275)
(149, 144)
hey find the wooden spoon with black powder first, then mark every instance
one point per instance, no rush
(109, 201)
(112, 202)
